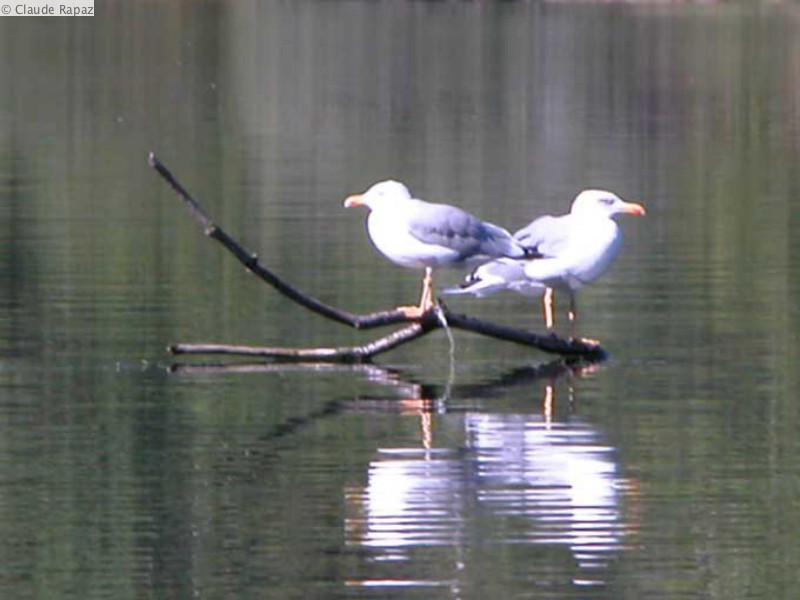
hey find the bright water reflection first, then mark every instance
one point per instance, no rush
(529, 482)
(515, 480)
(559, 478)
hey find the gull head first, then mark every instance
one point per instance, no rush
(604, 203)
(382, 193)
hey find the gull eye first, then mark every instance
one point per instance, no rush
(607, 201)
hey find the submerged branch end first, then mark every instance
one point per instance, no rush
(343, 354)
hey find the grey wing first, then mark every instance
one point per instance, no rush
(547, 236)
(461, 232)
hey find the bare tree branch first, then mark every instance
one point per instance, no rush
(252, 264)
(345, 354)
(416, 328)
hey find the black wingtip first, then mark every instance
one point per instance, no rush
(470, 279)
(532, 253)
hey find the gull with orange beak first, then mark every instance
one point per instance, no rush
(422, 235)
(568, 252)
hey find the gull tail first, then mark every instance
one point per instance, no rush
(475, 286)
(485, 280)
(498, 275)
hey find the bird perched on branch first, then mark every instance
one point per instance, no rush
(567, 252)
(422, 235)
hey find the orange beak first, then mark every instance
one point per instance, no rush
(354, 200)
(633, 208)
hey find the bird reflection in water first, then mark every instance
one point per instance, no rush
(543, 479)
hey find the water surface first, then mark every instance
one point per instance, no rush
(481, 470)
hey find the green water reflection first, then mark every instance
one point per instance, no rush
(120, 478)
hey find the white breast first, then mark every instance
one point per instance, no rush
(596, 245)
(591, 248)
(389, 233)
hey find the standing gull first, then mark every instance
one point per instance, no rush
(568, 252)
(417, 234)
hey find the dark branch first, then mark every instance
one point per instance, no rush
(251, 263)
(430, 322)
(417, 327)
(546, 343)
(343, 354)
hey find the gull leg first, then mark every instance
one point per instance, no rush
(547, 306)
(425, 300)
(573, 317)
(573, 313)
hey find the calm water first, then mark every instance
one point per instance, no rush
(477, 471)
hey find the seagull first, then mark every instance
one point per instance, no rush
(567, 252)
(421, 235)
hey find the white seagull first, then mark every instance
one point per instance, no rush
(567, 251)
(422, 235)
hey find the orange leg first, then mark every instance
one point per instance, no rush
(573, 318)
(573, 313)
(425, 300)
